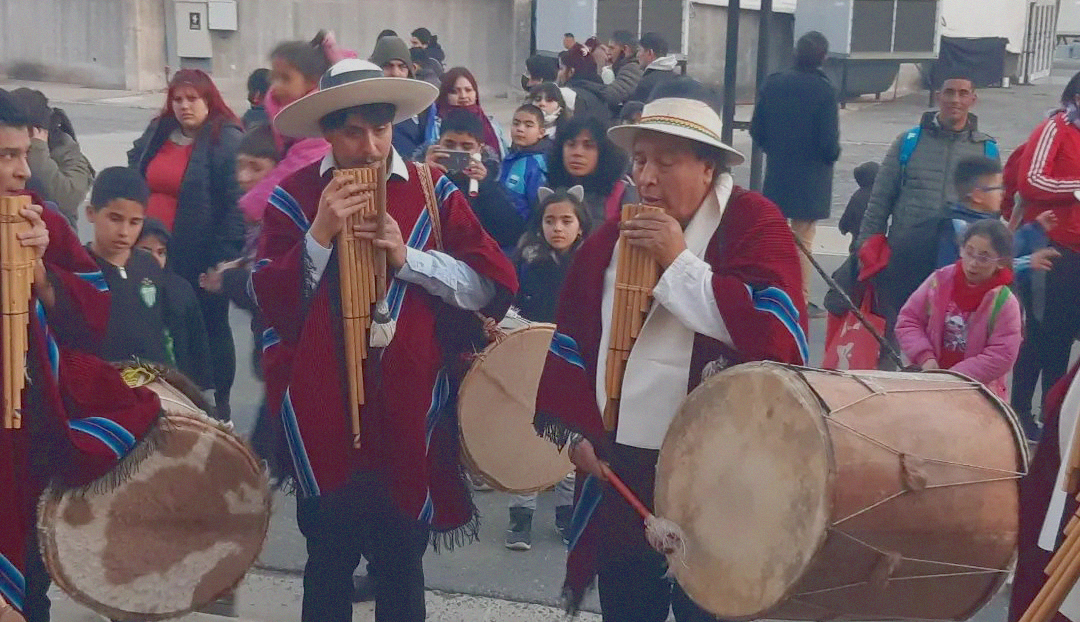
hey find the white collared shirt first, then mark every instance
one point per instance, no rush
(452, 280)
(657, 372)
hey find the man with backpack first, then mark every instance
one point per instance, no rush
(914, 187)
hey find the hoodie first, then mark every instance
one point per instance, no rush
(660, 70)
(522, 173)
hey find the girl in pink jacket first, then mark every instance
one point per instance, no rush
(964, 317)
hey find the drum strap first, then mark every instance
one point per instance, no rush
(430, 204)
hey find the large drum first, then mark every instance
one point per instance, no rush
(812, 495)
(496, 405)
(173, 535)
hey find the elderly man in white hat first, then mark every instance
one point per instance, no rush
(729, 292)
(398, 486)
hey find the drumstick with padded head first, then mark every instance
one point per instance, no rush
(662, 534)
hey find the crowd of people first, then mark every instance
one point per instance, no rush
(971, 263)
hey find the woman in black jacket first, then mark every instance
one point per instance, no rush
(577, 72)
(584, 155)
(188, 157)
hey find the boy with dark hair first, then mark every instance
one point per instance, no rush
(116, 211)
(258, 85)
(525, 168)
(657, 65)
(185, 331)
(462, 131)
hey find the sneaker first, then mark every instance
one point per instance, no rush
(519, 533)
(815, 312)
(563, 514)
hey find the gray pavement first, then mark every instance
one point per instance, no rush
(107, 122)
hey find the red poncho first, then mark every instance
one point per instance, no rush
(79, 418)
(409, 423)
(757, 280)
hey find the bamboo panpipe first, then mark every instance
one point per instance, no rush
(16, 279)
(357, 267)
(635, 276)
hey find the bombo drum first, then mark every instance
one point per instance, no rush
(174, 534)
(815, 495)
(496, 405)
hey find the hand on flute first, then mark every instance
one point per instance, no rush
(38, 235)
(657, 233)
(391, 241)
(340, 199)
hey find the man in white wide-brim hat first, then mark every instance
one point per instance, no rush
(729, 292)
(386, 494)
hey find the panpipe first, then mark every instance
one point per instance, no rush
(635, 276)
(363, 280)
(1063, 571)
(16, 278)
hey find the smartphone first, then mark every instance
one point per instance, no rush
(455, 161)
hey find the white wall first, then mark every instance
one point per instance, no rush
(1069, 17)
(993, 18)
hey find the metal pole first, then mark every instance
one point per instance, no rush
(757, 156)
(730, 75)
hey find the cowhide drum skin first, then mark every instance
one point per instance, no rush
(174, 534)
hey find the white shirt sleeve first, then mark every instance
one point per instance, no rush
(450, 279)
(685, 289)
(319, 256)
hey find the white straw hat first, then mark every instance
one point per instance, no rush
(687, 118)
(353, 82)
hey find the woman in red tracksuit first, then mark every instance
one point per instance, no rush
(1048, 176)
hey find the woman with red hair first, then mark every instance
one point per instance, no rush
(460, 92)
(188, 156)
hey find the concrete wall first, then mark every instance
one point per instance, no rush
(75, 41)
(483, 35)
(708, 46)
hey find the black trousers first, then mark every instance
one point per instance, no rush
(215, 310)
(1026, 372)
(36, 604)
(1061, 319)
(631, 574)
(360, 521)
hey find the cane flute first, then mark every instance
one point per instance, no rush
(635, 276)
(356, 265)
(16, 279)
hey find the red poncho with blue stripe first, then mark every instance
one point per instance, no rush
(757, 281)
(80, 420)
(408, 422)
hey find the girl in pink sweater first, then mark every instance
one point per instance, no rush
(964, 317)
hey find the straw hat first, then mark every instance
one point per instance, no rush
(353, 82)
(683, 117)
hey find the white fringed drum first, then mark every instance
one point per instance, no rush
(815, 495)
(176, 533)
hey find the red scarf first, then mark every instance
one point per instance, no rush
(491, 139)
(968, 297)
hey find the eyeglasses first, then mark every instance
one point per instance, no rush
(979, 259)
(991, 188)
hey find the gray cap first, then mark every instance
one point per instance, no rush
(390, 48)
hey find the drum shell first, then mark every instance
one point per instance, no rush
(895, 434)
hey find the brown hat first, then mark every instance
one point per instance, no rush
(390, 48)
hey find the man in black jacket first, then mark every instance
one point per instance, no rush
(796, 123)
(658, 64)
(624, 49)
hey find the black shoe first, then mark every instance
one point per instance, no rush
(363, 589)
(563, 514)
(519, 533)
